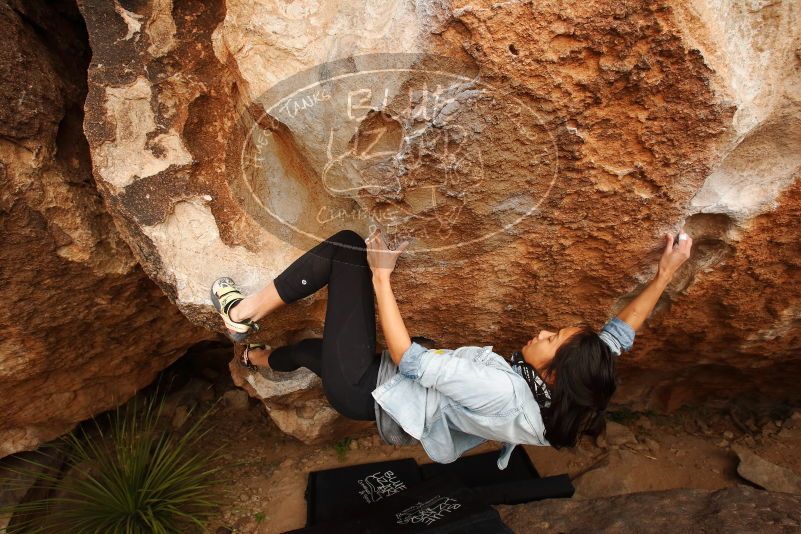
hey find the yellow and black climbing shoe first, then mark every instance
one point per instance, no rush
(225, 295)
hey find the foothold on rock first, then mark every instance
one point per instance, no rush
(295, 401)
(766, 474)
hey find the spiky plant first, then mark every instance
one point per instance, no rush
(124, 475)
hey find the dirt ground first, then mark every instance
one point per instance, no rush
(642, 451)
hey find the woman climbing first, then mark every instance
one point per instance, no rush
(549, 393)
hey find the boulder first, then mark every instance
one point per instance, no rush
(83, 328)
(766, 474)
(534, 153)
(737, 509)
(296, 403)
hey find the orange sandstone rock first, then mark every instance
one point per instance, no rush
(83, 328)
(535, 153)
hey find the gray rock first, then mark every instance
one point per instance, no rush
(196, 390)
(297, 404)
(766, 474)
(737, 509)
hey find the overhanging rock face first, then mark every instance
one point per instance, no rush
(535, 167)
(82, 328)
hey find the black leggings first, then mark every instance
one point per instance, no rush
(345, 358)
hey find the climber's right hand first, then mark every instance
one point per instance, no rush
(380, 257)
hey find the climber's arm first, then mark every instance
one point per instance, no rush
(382, 263)
(636, 311)
(392, 324)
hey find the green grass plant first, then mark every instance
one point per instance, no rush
(123, 475)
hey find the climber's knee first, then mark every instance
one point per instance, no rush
(350, 247)
(348, 237)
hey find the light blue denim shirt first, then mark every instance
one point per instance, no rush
(454, 400)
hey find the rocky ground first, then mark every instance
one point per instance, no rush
(705, 465)
(643, 452)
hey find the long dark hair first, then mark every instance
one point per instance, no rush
(584, 380)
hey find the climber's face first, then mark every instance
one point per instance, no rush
(540, 350)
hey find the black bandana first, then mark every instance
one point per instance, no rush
(538, 386)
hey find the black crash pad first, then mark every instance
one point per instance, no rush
(482, 469)
(347, 491)
(516, 484)
(340, 496)
(521, 491)
(441, 505)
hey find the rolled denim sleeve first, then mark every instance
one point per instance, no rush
(618, 334)
(410, 361)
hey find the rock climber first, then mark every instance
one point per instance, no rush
(556, 388)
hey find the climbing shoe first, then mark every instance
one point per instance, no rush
(225, 295)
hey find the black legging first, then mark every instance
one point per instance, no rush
(345, 358)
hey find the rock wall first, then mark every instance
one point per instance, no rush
(534, 152)
(82, 326)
